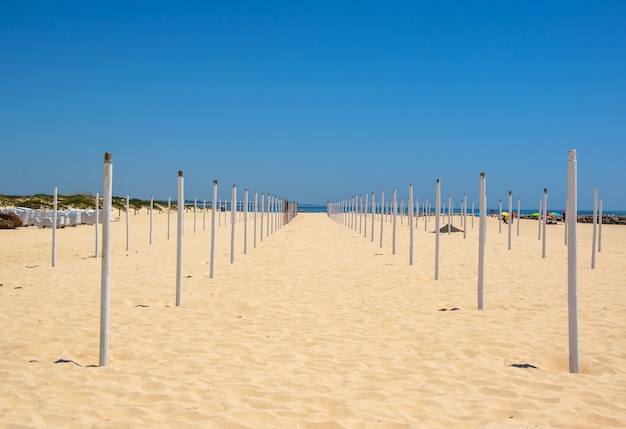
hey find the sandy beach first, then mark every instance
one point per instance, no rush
(315, 327)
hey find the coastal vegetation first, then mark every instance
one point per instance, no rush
(74, 201)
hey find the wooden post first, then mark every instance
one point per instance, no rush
(382, 215)
(151, 206)
(411, 232)
(572, 265)
(213, 224)
(545, 221)
(127, 223)
(97, 224)
(245, 221)
(500, 219)
(464, 216)
(195, 209)
(105, 283)
(395, 222)
(204, 215)
(373, 216)
(481, 239)
(599, 226)
(179, 239)
(262, 210)
(233, 222)
(437, 213)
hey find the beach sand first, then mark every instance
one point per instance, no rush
(315, 327)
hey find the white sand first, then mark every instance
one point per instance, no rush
(315, 327)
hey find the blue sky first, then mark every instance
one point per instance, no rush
(315, 101)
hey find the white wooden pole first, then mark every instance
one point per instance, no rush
(54, 227)
(437, 214)
(204, 215)
(105, 283)
(395, 222)
(595, 228)
(482, 236)
(127, 223)
(262, 210)
(213, 224)
(151, 206)
(179, 239)
(500, 219)
(373, 216)
(464, 216)
(245, 221)
(233, 222)
(510, 217)
(410, 214)
(599, 226)
(195, 209)
(545, 221)
(97, 224)
(572, 264)
(382, 215)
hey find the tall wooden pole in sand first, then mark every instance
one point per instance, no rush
(151, 207)
(179, 239)
(464, 216)
(382, 215)
(213, 224)
(127, 223)
(395, 222)
(599, 226)
(545, 221)
(482, 207)
(437, 213)
(572, 265)
(105, 283)
(97, 224)
(245, 221)
(411, 232)
(373, 216)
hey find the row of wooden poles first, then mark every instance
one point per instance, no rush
(277, 212)
(353, 212)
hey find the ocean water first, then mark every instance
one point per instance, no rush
(321, 208)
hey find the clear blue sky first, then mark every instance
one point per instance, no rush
(315, 100)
